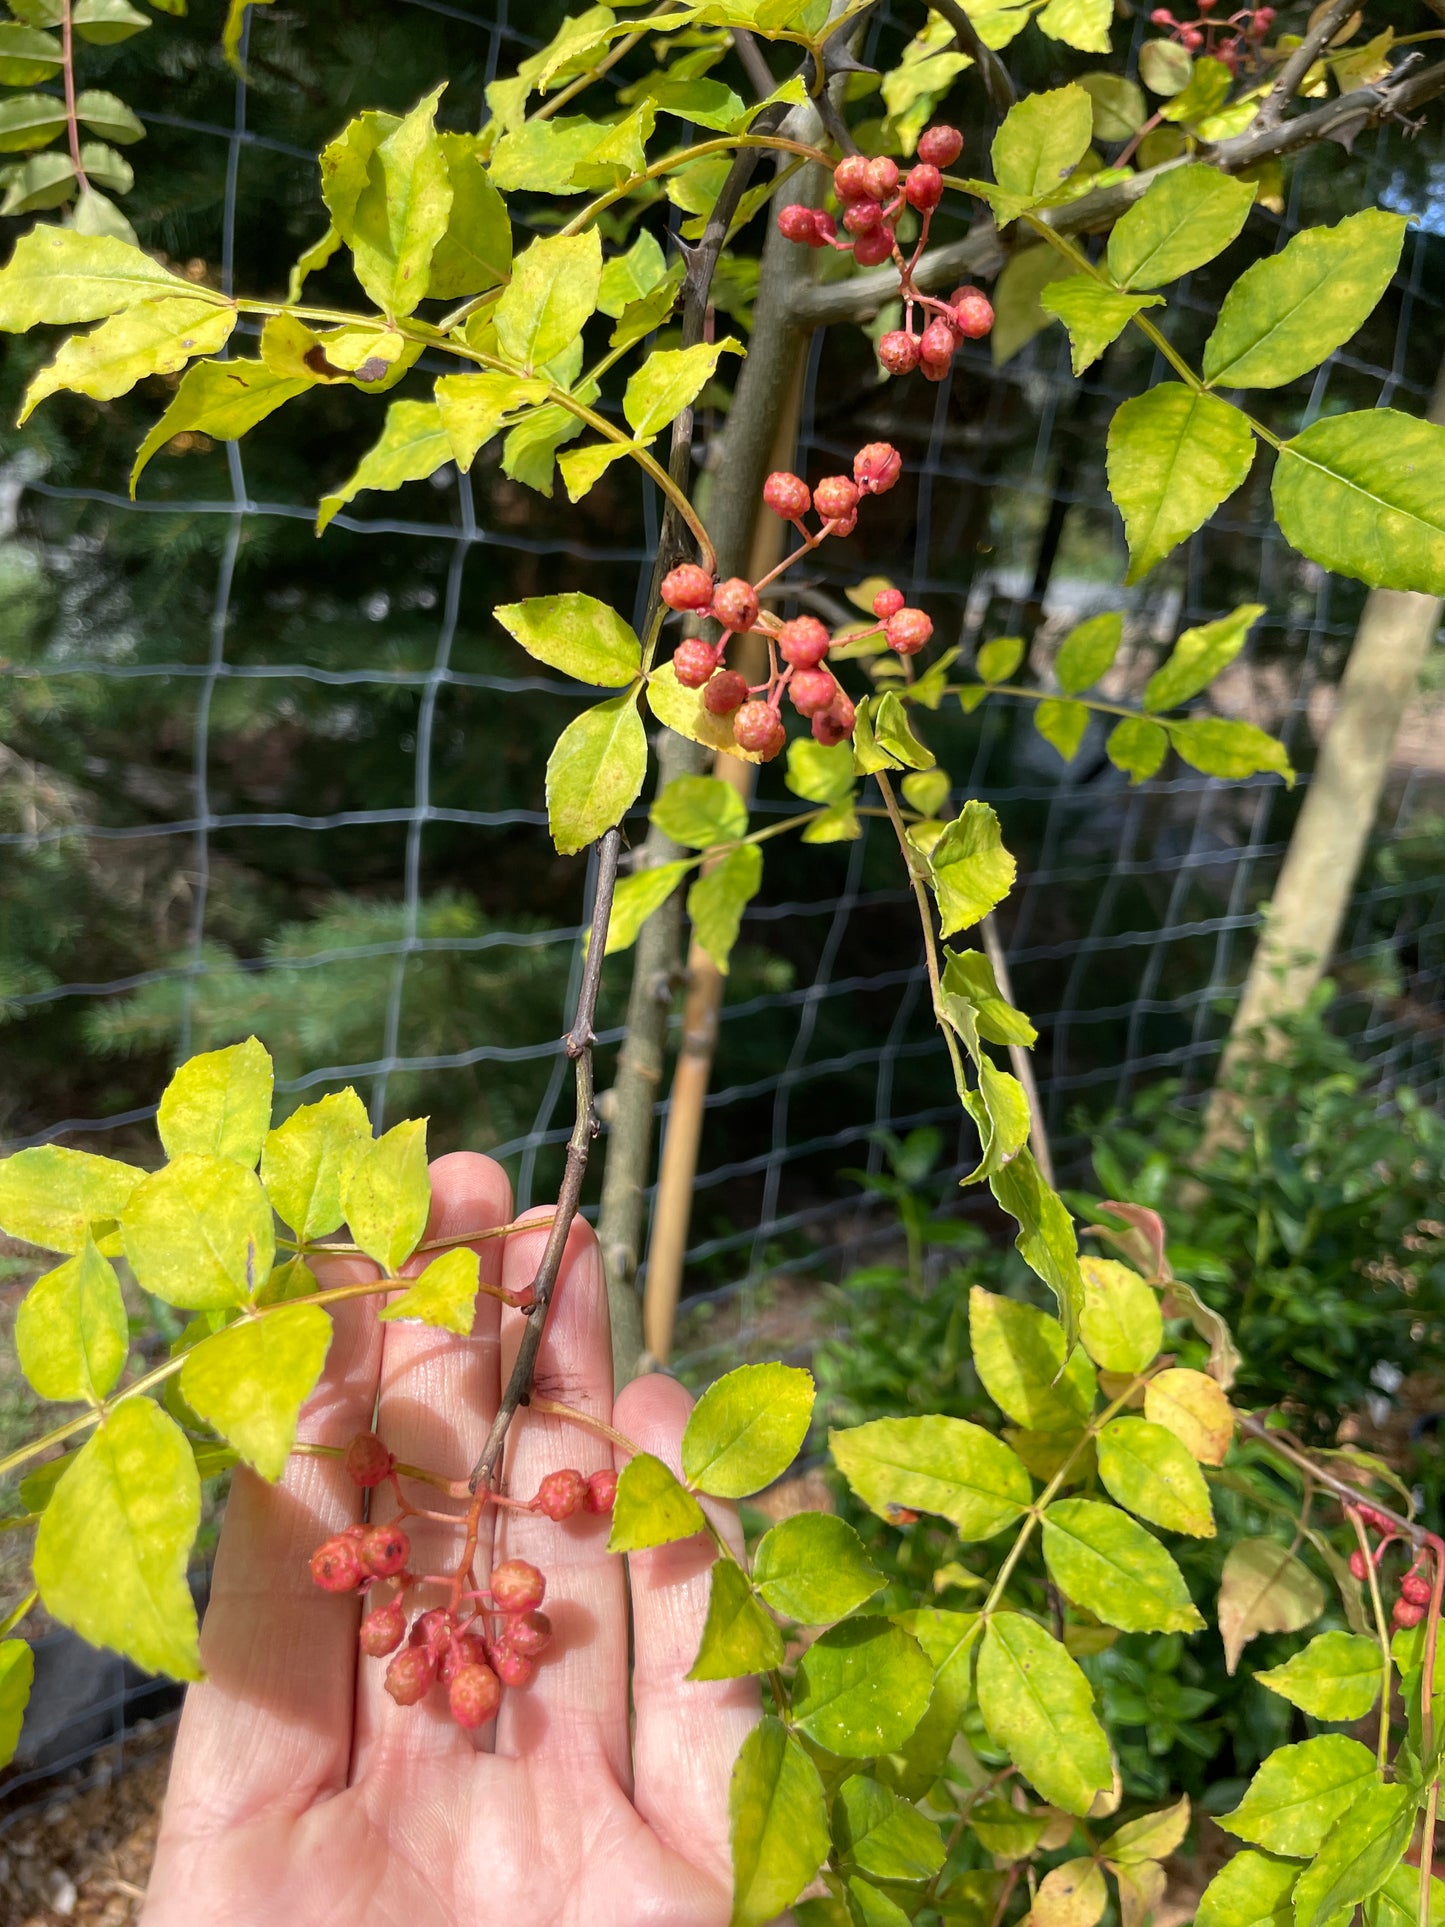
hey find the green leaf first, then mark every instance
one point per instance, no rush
(27, 55)
(935, 1464)
(552, 292)
(386, 182)
(1154, 1836)
(651, 1508)
(825, 775)
(948, 1638)
(51, 1196)
(1000, 1111)
(44, 181)
(1298, 1794)
(812, 1567)
(707, 103)
(1003, 1830)
(250, 1381)
(924, 790)
(1173, 457)
(223, 399)
(112, 1545)
(746, 1429)
(582, 468)
(1336, 1677)
(595, 772)
(1146, 1469)
(1251, 1890)
(1019, 1354)
(71, 1333)
(778, 1821)
(1220, 748)
(474, 408)
(717, 900)
(1121, 1323)
(577, 634)
(1062, 724)
(884, 1835)
(475, 251)
(636, 897)
(1284, 315)
(670, 380)
(1119, 105)
(969, 974)
(388, 1195)
(1088, 652)
(1046, 1241)
(1165, 67)
(861, 1688)
(1363, 493)
(682, 709)
(970, 870)
(629, 277)
(738, 1637)
(1358, 1855)
(413, 445)
(103, 114)
(17, 1674)
(30, 120)
(1264, 1589)
(1188, 216)
(1095, 316)
(893, 734)
(996, 661)
(199, 1233)
(1079, 23)
(1198, 657)
(1137, 746)
(1039, 1708)
(219, 1104)
(869, 1906)
(104, 22)
(1106, 1563)
(307, 1162)
(103, 164)
(698, 811)
(1206, 92)
(445, 1294)
(1042, 139)
(56, 275)
(1395, 1904)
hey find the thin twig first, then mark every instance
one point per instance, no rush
(1018, 1055)
(67, 62)
(1292, 73)
(995, 76)
(579, 1042)
(756, 68)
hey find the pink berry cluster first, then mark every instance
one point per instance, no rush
(1413, 1600)
(797, 649)
(1227, 40)
(486, 1638)
(871, 195)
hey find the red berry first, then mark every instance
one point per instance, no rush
(466, 1649)
(602, 1486)
(474, 1696)
(804, 641)
(687, 587)
(513, 1668)
(876, 467)
(844, 524)
(382, 1631)
(693, 661)
(384, 1551)
(411, 1675)
(1162, 17)
(517, 1587)
(898, 351)
(1359, 1565)
(870, 250)
(923, 187)
(759, 728)
(835, 496)
(433, 1629)
(787, 495)
(940, 146)
(811, 691)
(1192, 38)
(1406, 1615)
(797, 223)
(973, 314)
(1415, 1588)
(529, 1634)
(887, 603)
(862, 217)
(367, 1460)
(735, 603)
(908, 631)
(936, 346)
(850, 177)
(561, 1493)
(882, 177)
(335, 1566)
(721, 697)
(835, 724)
(825, 228)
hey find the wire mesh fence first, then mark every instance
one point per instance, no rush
(258, 784)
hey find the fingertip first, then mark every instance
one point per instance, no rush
(653, 1411)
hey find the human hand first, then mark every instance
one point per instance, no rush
(301, 1794)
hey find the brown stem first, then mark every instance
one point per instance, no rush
(1254, 1427)
(579, 1042)
(1301, 60)
(67, 61)
(995, 76)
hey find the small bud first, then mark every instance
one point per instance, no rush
(835, 496)
(898, 351)
(561, 1493)
(850, 177)
(908, 631)
(517, 1587)
(811, 691)
(693, 662)
(871, 250)
(735, 603)
(887, 603)
(759, 728)
(367, 1460)
(687, 587)
(411, 1675)
(876, 467)
(602, 1486)
(384, 1551)
(940, 146)
(721, 697)
(383, 1631)
(804, 641)
(923, 187)
(474, 1696)
(336, 1567)
(787, 495)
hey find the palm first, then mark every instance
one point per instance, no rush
(301, 1793)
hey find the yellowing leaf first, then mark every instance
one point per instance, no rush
(475, 251)
(56, 275)
(307, 1162)
(251, 1379)
(71, 1333)
(199, 1233)
(670, 380)
(970, 870)
(51, 1196)
(1095, 315)
(595, 772)
(1199, 656)
(1083, 24)
(1194, 1409)
(1042, 139)
(577, 634)
(1154, 1836)
(413, 445)
(17, 1673)
(812, 1568)
(1264, 1589)
(1028, 1371)
(683, 710)
(1038, 1706)
(778, 1823)
(935, 1464)
(1336, 1677)
(1364, 493)
(474, 408)
(1149, 1471)
(1173, 457)
(746, 1429)
(223, 399)
(1300, 1791)
(1121, 1323)
(219, 1104)
(1071, 1895)
(738, 1636)
(112, 1545)
(1187, 217)
(151, 338)
(552, 292)
(652, 1507)
(1106, 1563)
(445, 1294)
(388, 1196)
